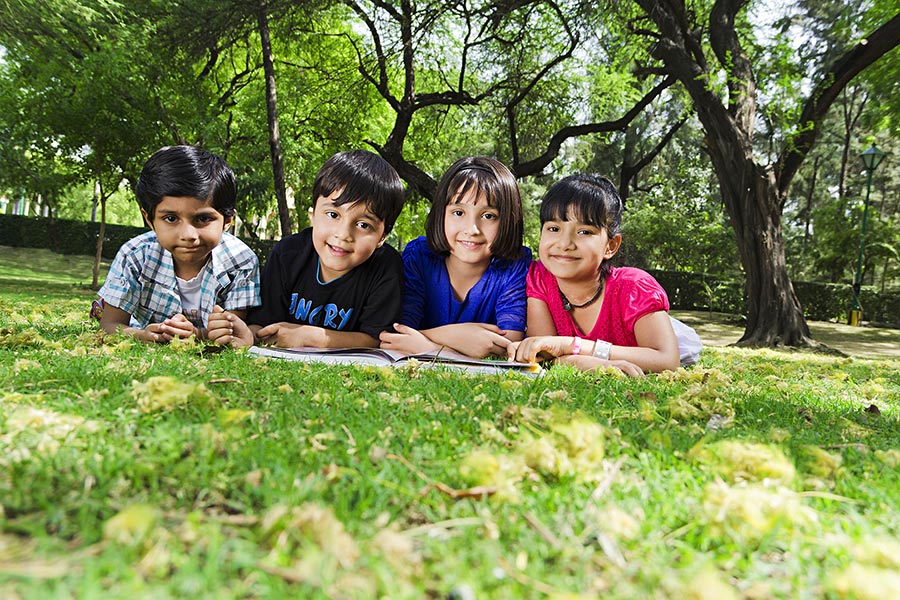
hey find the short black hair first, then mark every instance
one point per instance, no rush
(491, 178)
(363, 177)
(186, 171)
(590, 199)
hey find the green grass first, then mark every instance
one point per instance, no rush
(285, 479)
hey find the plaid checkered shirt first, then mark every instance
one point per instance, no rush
(141, 280)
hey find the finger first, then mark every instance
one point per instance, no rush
(218, 309)
(404, 329)
(267, 331)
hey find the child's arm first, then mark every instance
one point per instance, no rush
(657, 348)
(227, 327)
(291, 335)
(115, 319)
(472, 339)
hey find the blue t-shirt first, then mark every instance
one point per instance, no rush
(428, 299)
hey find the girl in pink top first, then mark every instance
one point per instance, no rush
(582, 310)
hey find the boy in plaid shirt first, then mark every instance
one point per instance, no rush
(187, 276)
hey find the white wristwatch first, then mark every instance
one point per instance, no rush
(601, 349)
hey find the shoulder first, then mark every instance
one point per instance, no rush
(385, 257)
(235, 253)
(631, 276)
(141, 243)
(539, 280)
(517, 265)
(418, 250)
(294, 244)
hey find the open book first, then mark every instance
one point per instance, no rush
(383, 358)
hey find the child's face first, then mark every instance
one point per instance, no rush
(471, 225)
(572, 250)
(344, 236)
(189, 229)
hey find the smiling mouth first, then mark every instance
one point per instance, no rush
(337, 251)
(469, 244)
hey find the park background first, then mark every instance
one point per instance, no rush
(733, 130)
(741, 191)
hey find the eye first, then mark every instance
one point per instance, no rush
(364, 225)
(331, 214)
(551, 228)
(585, 232)
(490, 216)
(206, 219)
(169, 218)
(457, 212)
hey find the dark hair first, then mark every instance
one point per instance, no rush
(186, 171)
(589, 199)
(491, 178)
(363, 177)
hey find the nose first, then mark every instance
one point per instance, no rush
(188, 232)
(473, 225)
(344, 230)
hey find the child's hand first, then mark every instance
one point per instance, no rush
(291, 335)
(589, 363)
(475, 339)
(228, 329)
(406, 339)
(543, 347)
(179, 326)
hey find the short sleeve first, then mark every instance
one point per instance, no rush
(384, 306)
(644, 296)
(536, 283)
(414, 282)
(242, 291)
(122, 287)
(512, 302)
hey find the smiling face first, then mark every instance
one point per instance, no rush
(471, 225)
(189, 229)
(344, 236)
(573, 251)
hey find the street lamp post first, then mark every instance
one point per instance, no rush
(871, 158)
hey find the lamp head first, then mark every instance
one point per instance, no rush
(871, 158)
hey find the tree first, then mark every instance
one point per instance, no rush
(754, 193)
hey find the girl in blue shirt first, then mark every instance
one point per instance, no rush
(464, 281)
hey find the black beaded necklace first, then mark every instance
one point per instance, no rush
(568, 306)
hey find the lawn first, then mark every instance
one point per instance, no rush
(133, 470)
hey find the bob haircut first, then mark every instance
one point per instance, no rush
(186, 171)
(363, 177)
(589, 199)
(492, 179)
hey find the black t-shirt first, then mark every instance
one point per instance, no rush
(368, 299)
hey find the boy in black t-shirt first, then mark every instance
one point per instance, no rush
(335, 284)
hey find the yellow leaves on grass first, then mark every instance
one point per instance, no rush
(132, 525)
(874, 574)
(30, 430)
(737, 461)
(162, 393)
(553, 446)
(746, 514)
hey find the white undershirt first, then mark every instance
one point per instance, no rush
(189, 290)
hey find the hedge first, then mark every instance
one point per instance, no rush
(687, 291)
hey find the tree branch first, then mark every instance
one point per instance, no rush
(835, 79)
(536, 165)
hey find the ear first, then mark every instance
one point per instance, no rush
(612, 246)
(147, 219)
(381, 241)
(229, 221)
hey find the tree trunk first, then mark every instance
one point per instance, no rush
(284, 215)
(775, 317)
(98, 257)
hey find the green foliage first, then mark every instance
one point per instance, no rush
(281, 479)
